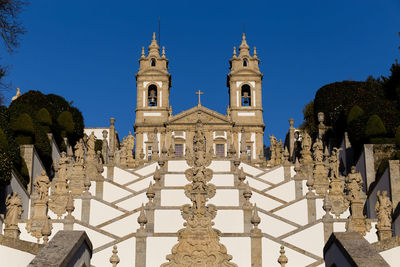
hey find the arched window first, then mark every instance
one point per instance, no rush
(153, 62)
(246, 96)
(245, 63)
(152, 95)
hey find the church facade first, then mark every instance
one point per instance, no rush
(238, 132)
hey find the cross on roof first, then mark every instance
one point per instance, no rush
(199, 93)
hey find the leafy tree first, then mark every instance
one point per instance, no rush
(310, 122)
(397, 137)
(391, 84)
(5, 168)
(43, 117)
(3, 140)
(375, 127)
(66, 123)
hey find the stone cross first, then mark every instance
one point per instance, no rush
(199, 93)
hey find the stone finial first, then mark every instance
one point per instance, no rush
(112, 122)
(282, 260)
(163, 52)
(247, 195)
(297, 167)
(142, 219)
(327, 206)
(87, 184)
(384, 211)
(310, 183)
(255, 53)
(150, 194)
(114, 259)
(70, 206)
(46, 230)
(286, 155)
(164, 150)
(291, 122)
(321, 118)
(255, 219)
(143, 55)
(157, 177)
(242, 176)
(234, 51)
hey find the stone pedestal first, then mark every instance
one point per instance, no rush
(384, 233)
(357, 222)
(328, 227)
(110, 172)
(286, 171)
(12, 231)
(298, 186)
(99, 188)
(36, 222)
(150, 218)
(141, 240)
(247, 212)
(77, 179)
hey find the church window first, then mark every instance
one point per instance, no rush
(246, 96)
(249, 152)
(149, 152)
(178, 150)
(220, 150)
(245, 62)
(153, 62)
(152, 96)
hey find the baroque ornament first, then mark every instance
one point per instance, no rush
(198, 243)
(59, 192)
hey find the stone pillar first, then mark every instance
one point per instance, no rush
(298, 186)
(286, 171)
(327, 219)
(85, 212)
(99, 189)
(256, 240)
(394, 172)
(110, 172)
(291, 139)
(247, 219)
(150, 218)
(27, 152)
(140, 257)
(369, 165)
(112, 140)
(311, 207)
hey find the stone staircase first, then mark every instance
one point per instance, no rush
(285, 219)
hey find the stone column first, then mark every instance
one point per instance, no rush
(27, 152)
(256, 240)
(394, 171)
(141, 239)
(99, 188)
(369, 165)
(327, 219)
(110, 172)
(112, 140)
(286, 171)
(311, 206)
(85, 212)
(291, 139)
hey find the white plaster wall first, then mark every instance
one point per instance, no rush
(274, 176)
(133, 202)
(174, 197)
(220, 166)
(225, 197)
(78, 208)
(142, 184)
(123, 226)
(371, 235)
(263, 202)
(157, 248)
(126, 254)
(98, 132)
(100, 212)
(175, 180)
(339, 227)
(229, 221)
(92, 188)
(222, 179)
(274, 226)
(314, 237)
(270, 254)
(256, 184)
(112, 192)
(292, 172)
(239, 248)
(147, 170)
(319, 202)
(104, 173)
(122, 177)
(167, 221)
(177, 166)
(14, 257)
(249, 169)
(392, 256)
(305, 188)
(296, 212)
(97, 238)
(285, 191)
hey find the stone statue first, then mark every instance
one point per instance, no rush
(91, 142)
(306, 142)
(79, 152)
(63, 166)
(104, 147)
(18, 94)
(334, 163)
(318, 148)
(42, 184)
(383, 210)
(354, 184)
(14, 209)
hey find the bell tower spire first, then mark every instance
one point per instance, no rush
(245, 98)
(153, 83)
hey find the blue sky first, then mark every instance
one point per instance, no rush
(87, 51)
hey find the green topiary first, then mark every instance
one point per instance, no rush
(5, 168)
(397, 136)
(43, 117)
(375, 127)
(66, 123)
(355, 112)
(24, 130)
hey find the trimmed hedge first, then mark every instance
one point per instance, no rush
(355, 112)
(375, 127)
(66, 123)
(23, 129)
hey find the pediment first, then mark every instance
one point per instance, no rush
(207, 116)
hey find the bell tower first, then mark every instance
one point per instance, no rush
(245, 99)
(153, 83)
